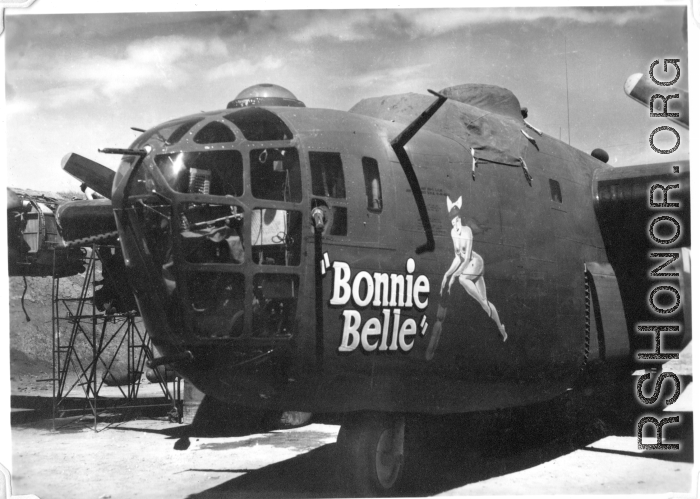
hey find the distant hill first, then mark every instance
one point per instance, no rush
(59, 197)
(31, 341)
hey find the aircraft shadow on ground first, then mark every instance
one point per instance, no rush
(447, 452)
(215, 419)
(247, 425)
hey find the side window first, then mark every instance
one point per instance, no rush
(276, 236)
(258, 124)
(214, 133)
(328, 181)
(327, 177)
(340, 221)
(275, 174)
(555, 190)
(373, 185)
(218, 173)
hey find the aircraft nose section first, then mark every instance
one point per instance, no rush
(147, 247)
(207, 268)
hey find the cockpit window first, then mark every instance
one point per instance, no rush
(214, 133)
(275, 174)
(276, 236)
(181, 130)
(259, 124)
(327, 177)
(219, 173)
(168, 134)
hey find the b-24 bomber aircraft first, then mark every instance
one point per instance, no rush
(419, 254)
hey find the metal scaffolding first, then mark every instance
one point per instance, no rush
(87, 341)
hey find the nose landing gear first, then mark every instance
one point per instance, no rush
(371, 453)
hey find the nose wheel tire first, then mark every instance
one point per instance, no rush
(371, 457)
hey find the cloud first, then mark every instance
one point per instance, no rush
(15, 107)
(82, 76)
(433, 22)
(344, 26)
(242, 67)
(105, 27)
(168, 49)
(156, 61)
(403, 77)
(348, 26)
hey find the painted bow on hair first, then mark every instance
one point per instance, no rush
(457, 205)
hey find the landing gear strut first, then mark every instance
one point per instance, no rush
(371, 453)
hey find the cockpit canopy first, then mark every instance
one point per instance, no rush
(203, 154)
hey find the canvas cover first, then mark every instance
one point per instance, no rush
(476, 115)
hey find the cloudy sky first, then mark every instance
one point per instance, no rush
(78, 82)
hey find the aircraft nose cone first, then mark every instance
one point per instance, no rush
(632, 82)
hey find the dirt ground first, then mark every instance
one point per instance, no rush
(138, 459)
(157, 459)
(581, 446)
(535, 453)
